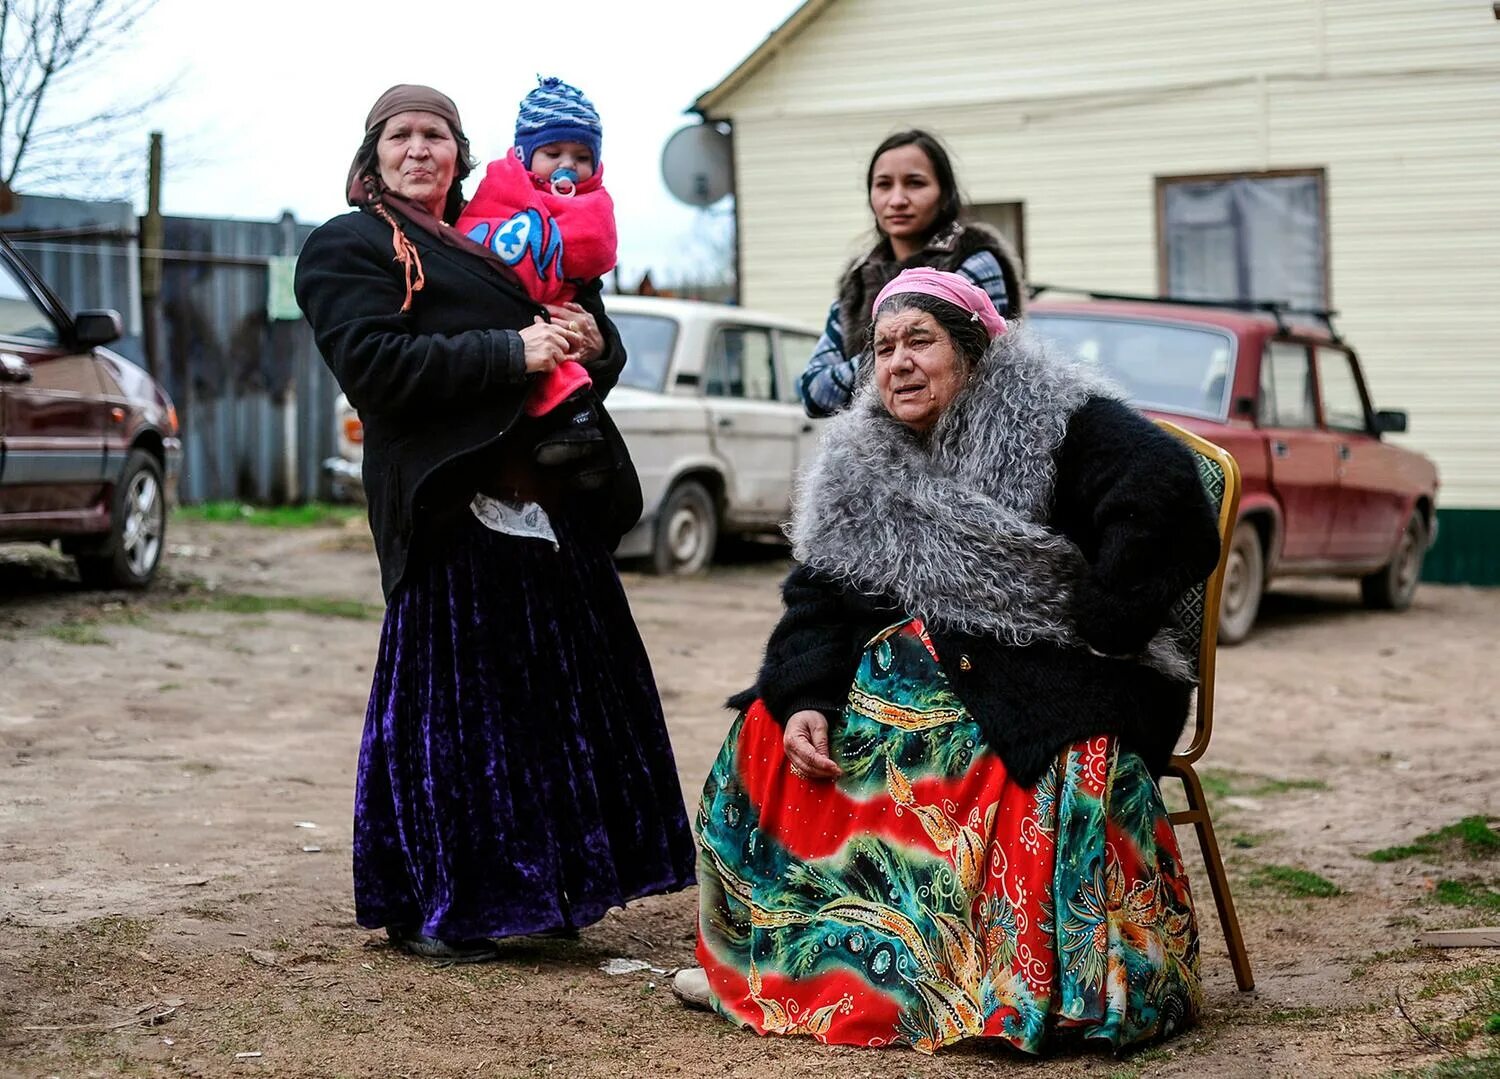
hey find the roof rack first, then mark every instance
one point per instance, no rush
(1277, 309)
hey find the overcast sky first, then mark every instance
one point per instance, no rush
(271, 96)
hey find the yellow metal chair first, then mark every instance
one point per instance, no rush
(1198, 615)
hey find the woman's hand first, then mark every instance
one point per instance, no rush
(806, 745)
(591, 348)
(549, 344)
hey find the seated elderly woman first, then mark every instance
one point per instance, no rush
(938, 816)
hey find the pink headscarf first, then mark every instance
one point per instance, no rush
(955, 288)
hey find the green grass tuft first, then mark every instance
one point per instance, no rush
(77, 633)
(249, 604)
(1295, 882)
(1223, 783)
(1472, 835)
(308, 515)
(1459, 894)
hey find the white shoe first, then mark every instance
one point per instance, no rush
(691, 987)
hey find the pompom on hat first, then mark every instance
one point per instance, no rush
(556, 112)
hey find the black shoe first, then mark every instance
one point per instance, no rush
(443, 951)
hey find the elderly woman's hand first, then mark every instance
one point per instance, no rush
(548, 344)
(806, 745)
(591, 350)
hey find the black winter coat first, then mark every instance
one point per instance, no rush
(439, 387)
(1128, 495)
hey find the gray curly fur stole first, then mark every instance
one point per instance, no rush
(953, 524)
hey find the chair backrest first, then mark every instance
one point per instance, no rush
(1197, 612)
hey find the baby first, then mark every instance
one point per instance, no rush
(543, 210)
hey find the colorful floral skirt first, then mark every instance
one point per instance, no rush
(923, 897)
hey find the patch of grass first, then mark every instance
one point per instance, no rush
(77, 633)
(1472, 836)
(308, 515)
(1289, 880)
(1457, 893)
(249, 604)
(1476, 1014)
(1245, 841)
(1396, 955)
(117, 930)
(1222, 783)
(1296, 1015)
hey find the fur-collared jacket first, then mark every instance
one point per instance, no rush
(1042, 530)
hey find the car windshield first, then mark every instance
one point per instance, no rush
(648, 343)
(1185, 369)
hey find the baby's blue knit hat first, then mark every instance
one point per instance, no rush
(556, 112)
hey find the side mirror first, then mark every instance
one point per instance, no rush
(13, 368)
(1390, 420)
(92, 328)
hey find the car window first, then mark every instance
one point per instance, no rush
(1286, 398)
(741, 365)
(1343, 404)
(20, 315)
(1173, 368)
(648, 340)
(796, 350)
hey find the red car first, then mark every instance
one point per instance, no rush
(1323, 492)
(89, 448)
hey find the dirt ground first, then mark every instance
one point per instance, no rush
(175, 796)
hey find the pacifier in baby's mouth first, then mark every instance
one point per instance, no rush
(564, 182)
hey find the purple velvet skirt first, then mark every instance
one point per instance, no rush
(515, 774)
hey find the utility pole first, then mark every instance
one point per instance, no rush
(151, 245)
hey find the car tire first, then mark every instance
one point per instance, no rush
(129, 556)
(687, 529)
(1244, 584)
(1392, 588)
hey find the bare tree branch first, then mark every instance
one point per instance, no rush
(60, 40)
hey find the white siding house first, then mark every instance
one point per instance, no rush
(1077, 109)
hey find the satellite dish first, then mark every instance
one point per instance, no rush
(698, 164)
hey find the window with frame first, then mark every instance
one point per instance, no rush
(1286, 386)
(741, 365)
(20, 314)
(1256, 236)
(796, 350)
(1343, 403)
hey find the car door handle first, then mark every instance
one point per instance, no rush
(1344, 453)
(807, 428)
(1280, 448)
(725, 421)
(13, 368)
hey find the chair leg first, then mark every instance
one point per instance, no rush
(1218, 879)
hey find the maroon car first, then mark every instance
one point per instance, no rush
(1323, 492)
(89, 452)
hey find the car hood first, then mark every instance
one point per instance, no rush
(630, 399)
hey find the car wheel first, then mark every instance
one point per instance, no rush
(130, 555)
(1392, 588)
(687, 528)
(1244, 584)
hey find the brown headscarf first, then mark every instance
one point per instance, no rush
(365, 189)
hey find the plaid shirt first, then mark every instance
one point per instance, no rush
(828, 382)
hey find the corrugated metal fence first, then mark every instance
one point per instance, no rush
(254, 399)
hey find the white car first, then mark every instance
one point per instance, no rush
(708, 406)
